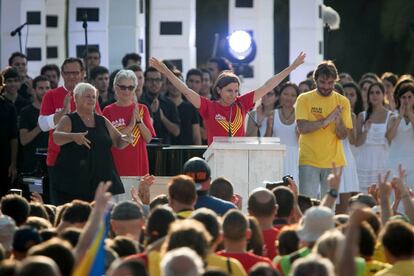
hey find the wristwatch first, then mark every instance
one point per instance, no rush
(333, 193)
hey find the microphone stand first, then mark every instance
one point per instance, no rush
(18, 31)
(255, 124)
(85, 57)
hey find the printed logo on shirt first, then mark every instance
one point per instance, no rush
(317, 113)
(58, 109)
(317, 110)
(119, 123)
(234, 126)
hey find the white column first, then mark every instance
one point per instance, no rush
(259, 20)
(126, 30)
(97, 30)
(306, 34)
(172, 31)
(55, 33)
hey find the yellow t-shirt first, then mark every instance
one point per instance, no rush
(321, 147)
(225, 264)
(401, 268)
(373, 267)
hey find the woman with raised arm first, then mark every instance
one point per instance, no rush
(225, 117)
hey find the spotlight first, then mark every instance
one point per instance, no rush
(241, 47)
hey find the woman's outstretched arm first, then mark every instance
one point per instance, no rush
(278, 78)
(190, 94)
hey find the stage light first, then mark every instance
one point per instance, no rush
(241, 47)
(240, 43)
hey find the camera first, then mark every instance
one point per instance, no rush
(15, 191)
(285, 182)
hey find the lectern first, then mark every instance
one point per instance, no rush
(246, 161)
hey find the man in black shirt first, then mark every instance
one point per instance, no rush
(31, 136)
(163, 111)
(189, 117)
(8, 144)
(99, 77)
(11, 89)
(18, 61)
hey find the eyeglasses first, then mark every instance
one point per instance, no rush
(124, 87)
(71, 73)
(153, 80)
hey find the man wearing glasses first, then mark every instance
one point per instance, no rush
(164, 112)
(56, 103)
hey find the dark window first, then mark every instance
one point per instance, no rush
(80, 49)
(33, 17)
(141, 6)
(171, 28)
(320, 48)
(51, 21)
(320, 11)
(177, 62)
(141, 45)
(34, 54)
(92, 14)
(52, 52)
(244, 3)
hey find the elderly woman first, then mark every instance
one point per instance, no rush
(85, 158)
(133, 160)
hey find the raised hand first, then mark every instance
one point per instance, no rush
(102, 197)
(334, 178)
(384, 185)
(144, 188)
(155, 105)
(333, 115)
(400, 182)
(66, 102)
(128, 138)
(300, 59)
(80, 139)
(36, 197)
(137, 114)
(374, 192)
(293, 187)
(153, 62)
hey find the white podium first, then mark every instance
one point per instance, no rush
(246, 162)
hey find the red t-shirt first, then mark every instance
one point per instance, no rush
(132, 160)
(269, 239)
(246, 259)
(52, 103)
(217, 117)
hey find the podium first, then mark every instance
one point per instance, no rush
(246, 162)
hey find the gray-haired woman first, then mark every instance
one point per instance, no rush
(85, 158)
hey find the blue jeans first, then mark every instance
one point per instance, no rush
(313, 181)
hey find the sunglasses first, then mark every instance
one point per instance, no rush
(124, 87)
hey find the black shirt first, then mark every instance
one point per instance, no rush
(189, 116)
(28, 120)
(170, 111)
(8, 130)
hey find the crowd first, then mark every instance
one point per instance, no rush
(345, 207)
